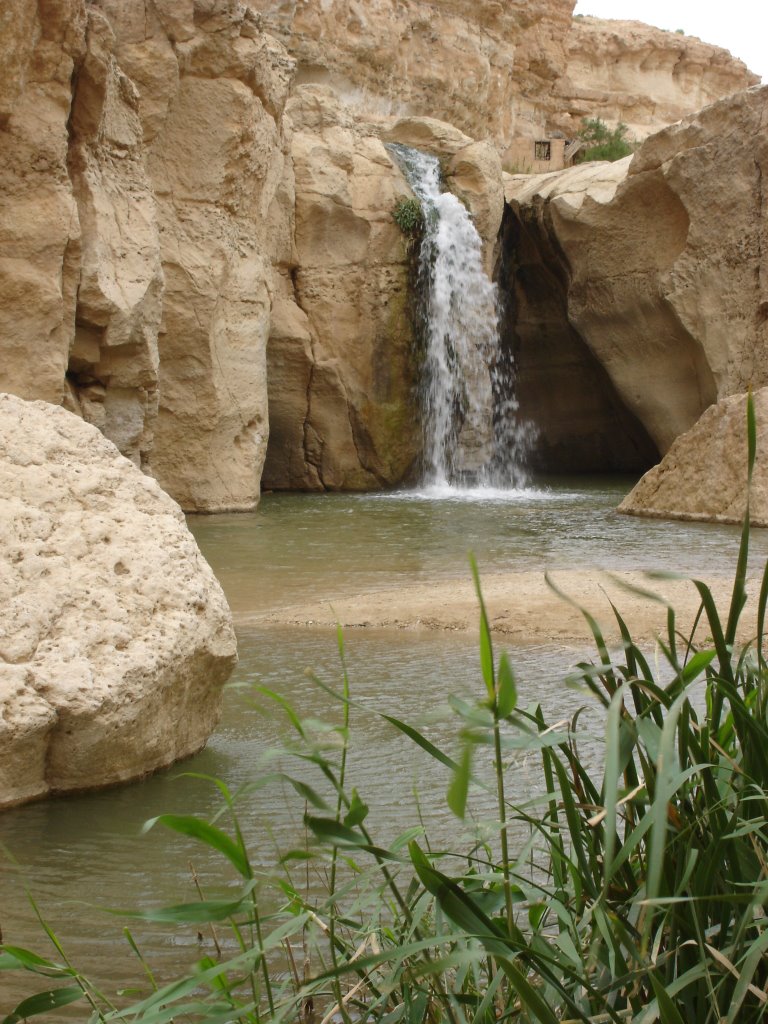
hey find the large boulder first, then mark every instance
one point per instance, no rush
(704, 474)
(116, 638)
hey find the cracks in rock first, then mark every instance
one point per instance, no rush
(307, 424)
(356, 426)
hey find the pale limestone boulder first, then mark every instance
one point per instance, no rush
(427, 133)
(474, 175)
(116, 638)
(703, 476)
(662, 268)
(341, 368)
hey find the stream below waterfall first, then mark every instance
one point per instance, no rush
(85, 852)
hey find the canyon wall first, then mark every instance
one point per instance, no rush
(341, 366)
(663, 278)
(644, 77)
(481, 65)
(195, 211)
(140, 152)
(522, 68)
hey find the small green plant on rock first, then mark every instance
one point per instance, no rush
(408, 216)
(602, 142)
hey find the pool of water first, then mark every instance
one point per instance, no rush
(298, 548)
(84, 853)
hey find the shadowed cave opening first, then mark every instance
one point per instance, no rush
(581, 423)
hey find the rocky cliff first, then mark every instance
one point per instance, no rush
(501, 70)
(481, 65)
(643, 76)
(141, 149)
(662, 279)
(195, 211)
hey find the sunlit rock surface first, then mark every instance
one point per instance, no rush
(116, 638)
(664, 278)
(643, 76)
(703, 476)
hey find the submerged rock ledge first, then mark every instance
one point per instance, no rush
(116, 638)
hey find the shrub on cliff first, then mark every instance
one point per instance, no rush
(602, 142)
(408, 216)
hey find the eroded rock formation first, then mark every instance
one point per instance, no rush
(342, 368)
(501, 70)
(178, 189)
(116, 638)
(480, 65)
(141, 153)
(663, 278)
(703, 476)
(643, 76)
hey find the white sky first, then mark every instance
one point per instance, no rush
(740, 26)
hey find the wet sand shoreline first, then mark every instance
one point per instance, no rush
(522, 607)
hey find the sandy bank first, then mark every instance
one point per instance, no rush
(522, 606)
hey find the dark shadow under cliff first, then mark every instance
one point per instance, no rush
(581, 423)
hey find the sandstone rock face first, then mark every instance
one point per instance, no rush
(141, 153)
(665, 284)
(704, 474)
(112, 371)
(643, 76)
(215, 163)
(481, 65)
(39, 229)
(581, 422)
(116, 637)
(501, 70)
(341, 365)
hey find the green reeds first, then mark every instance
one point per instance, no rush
(637, 892)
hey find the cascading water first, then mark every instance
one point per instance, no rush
(471, 433)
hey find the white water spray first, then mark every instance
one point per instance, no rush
(465, 438)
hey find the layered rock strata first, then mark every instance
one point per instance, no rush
(480, 65)
(663, 276)
(116, 638)
(501, 70)
(703, 476)
(644, 77)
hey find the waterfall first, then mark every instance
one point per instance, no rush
(471, 432)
